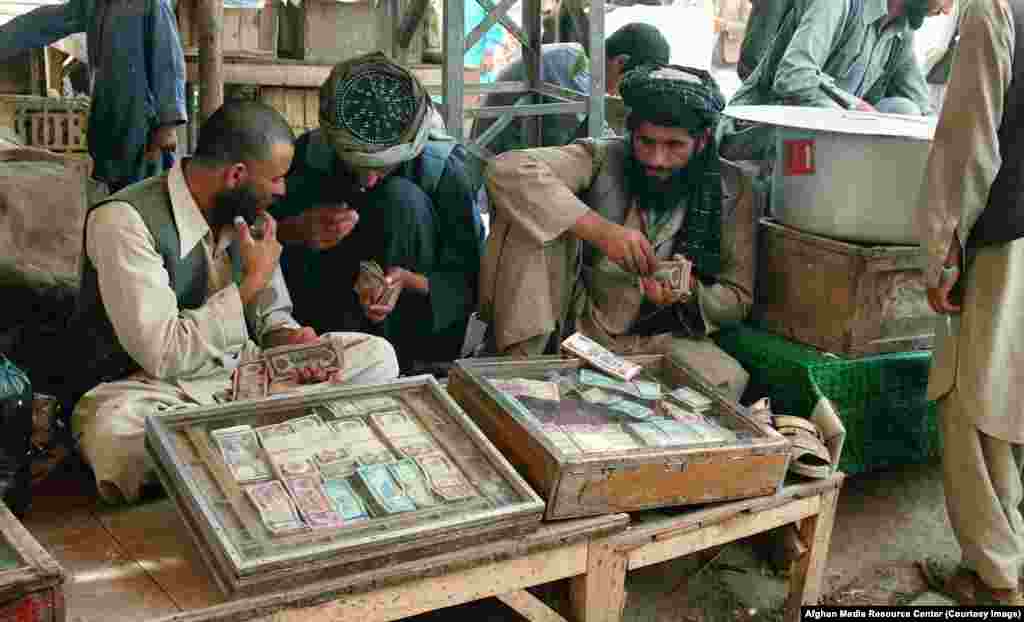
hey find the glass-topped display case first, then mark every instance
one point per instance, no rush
(591, 443)
(286, 490)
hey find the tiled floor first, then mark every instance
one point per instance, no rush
(125, 563)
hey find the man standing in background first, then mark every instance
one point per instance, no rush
(971, 215)
(137, 72)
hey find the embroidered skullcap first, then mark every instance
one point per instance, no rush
(373, 112)
(672, 96)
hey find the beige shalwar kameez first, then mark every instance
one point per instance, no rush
(185, 355)
(528, 268)
(978, 370)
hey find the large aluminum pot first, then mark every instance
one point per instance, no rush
(844, 174)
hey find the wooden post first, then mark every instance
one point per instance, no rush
(211, 57)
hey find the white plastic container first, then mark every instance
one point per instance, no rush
(846, 175)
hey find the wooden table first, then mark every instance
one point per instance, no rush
(150, 537)
(599, 593)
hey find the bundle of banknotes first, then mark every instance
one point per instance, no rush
(371, 285)
(600, 357)
(675, 273)
(285, 368)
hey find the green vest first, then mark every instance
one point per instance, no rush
(103, 358)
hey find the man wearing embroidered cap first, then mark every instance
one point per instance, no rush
(375, 183)
(578, 232)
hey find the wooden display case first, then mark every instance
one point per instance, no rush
(246, 557)
(31, 581)
(589, 475)
(848, 299)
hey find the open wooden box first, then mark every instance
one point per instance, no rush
(586, 482)
(246, 558)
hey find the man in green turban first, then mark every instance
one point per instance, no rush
(373, 183)
(578, 232)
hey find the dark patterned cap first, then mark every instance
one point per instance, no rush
(673, 96)
(372, 111)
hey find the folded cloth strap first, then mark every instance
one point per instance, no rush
(809, 456)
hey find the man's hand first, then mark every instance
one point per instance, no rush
(626, 247)
(322, 227)
(939, 297)
(660, 294)
(289, 336)
(394, 278)
(259, 257)
(629, 248)
(163, 138)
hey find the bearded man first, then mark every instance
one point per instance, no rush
(850, 54)
(175, 284)
(578, 231)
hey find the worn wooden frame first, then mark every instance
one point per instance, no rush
(38, 577)
(309, 556)
(587, 484)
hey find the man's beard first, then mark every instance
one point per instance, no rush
(916, 11)
(654, 193)
(240, 201)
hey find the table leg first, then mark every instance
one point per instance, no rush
(600, 594)
(530, 607)
(816, 533)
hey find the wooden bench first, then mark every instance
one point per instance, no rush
(599, 594)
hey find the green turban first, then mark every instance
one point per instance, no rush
(374, 112)
(673, 96)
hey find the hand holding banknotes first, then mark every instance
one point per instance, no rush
(378, 308)
(626, 247)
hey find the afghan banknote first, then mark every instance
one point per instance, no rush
(539, 389)
(354, 430)
(276, 509)
(675, 273)
(560, 439)
(483, 475)
(388, 493)
(440, 471)
(600, 438)
(287, 361)
(293, 464)
(250, 381)
(396, 423)
(343, 408)
(242, 454)
(372, 287)
(632, 409)
(346, 502)
(680, 433)
(676, 411)
(409, 475)
(600, 357)
(691, 398)
(596, 395)
(591, 378)
(279, 437)
(650, 434)
(312, 502)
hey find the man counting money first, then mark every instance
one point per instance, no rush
(580, 233)
(174, 283)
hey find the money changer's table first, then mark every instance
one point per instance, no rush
(657, 536)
